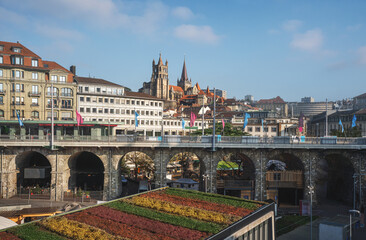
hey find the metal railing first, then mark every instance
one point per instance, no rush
(248, 140)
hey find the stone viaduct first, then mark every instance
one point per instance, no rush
(311, 157)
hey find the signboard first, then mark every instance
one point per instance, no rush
(304, 208)
(34, 173)
(191, 127)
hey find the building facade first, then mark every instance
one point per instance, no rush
(274, 104)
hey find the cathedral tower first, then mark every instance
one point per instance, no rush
(159, 85)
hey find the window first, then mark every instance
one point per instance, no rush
(112, 100)
(105, 100)
(100, 110)
(17, 60)
(266, 129)
(17, 74)
(67, 92)
(1, 72)
(81, 99)
(98, 90)
(88, 110)
(65, 115)
(111, 110)
(100, 100)
(62, 79)
(86, 89)
(34, 101)
(1, 100)
(128, 102)
(274, 129)
(106, 110)
(1, 48)
(16, 49)
(257, 129)
(35, 89)
(34, 63)
(88, 99)
(94, 110)
(1, 87)
(250, 129)
(1, 59)
(34, 75)
(66, 104)
(53, 78)
(2, 113)
(81, 109)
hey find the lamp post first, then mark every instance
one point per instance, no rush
(350, 221)
(311, 192)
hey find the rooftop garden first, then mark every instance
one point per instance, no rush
(166, 213)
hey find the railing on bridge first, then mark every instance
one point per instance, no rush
(190, 139)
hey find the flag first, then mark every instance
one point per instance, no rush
(340, 123)
(223, 124)
(21, 124)
(354, 120)
(183, 123)
(247, 116)
(136, 121)
(262, 125)
(79, 118)
(301, 122)
(193, 118)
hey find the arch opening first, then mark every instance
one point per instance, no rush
(34, 170)
(285, 179)
(185, 170)
(335, 179)
(86, 172)
(136, 173)
(236, 176)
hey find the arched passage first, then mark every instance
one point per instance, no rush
(285, 179)
(136, 173)
(34, 170)
(335, 179)
(236, 176)
(186, 170)
(86, 172)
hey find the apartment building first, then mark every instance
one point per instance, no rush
(25, 85)
(108, 103)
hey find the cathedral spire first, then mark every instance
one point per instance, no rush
(184, 71)
(160, 60)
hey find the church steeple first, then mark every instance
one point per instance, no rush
(160, 60)
(184, 76)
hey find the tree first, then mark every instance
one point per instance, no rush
(141, 162)
(227, 131)
(349, 132)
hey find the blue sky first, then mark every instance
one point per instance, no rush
(273, 48)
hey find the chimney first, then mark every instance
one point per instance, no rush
(73, 69)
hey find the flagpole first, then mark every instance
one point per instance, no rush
(203, 115)
(52, 120)
(214, 121)
(326, 118)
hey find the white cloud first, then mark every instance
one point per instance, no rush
(201, 34)
(361, 52)
(291, 25)
(311, 40)
(57, 33)
(183, 13)
(354, 28)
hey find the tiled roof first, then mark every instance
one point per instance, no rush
(198, 87)
(361, 96)
(53, 65)
(361, 111)
(278, 99)
(176, 88)
(89, 80)
(141, 95)
(24, 51)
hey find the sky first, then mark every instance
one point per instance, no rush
(270, 48)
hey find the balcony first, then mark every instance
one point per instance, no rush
(50, 106)
(17, 90)
(17, 103)
(66, 95)
(2, 92)
(34, 105)
(66, 107)
(34, 94)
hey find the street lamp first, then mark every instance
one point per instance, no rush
(311, 192)
(350, 221)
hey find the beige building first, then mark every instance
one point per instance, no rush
(25, 85)
(274, 104)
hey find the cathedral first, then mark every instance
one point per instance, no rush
(173, 95)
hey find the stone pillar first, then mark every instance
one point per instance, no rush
(12, 132)
(259, 161)
(161, 160)
(41, 133)
(22, 133)
(310, 160)
(76, 132)
(58, 132)
(211, 159)
(57, 179)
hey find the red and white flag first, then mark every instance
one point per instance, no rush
(79, 119)
(193, 119)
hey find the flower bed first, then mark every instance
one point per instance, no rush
(8, 236)
(74, 230)
(32, 231)
(115, 228)
(167, 218)
(227, 200)
(143, 223)
(196, 203)
(180, 210)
